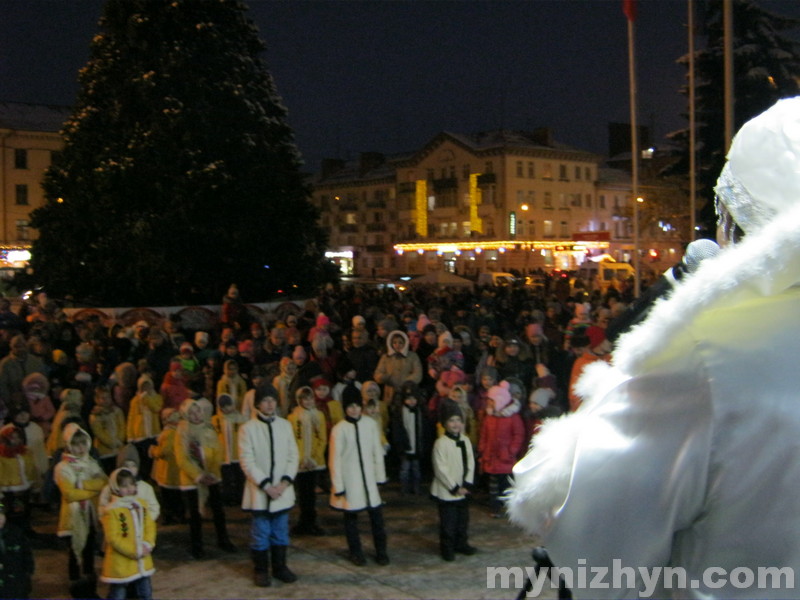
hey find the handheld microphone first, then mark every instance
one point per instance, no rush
(696, 252)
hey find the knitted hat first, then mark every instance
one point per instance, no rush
(320, 380)
(267, 390)
(429, 328)
(350, 395)
(501, 395)
(542, 396)
(127, 452)
(224, 400)
(452, 376)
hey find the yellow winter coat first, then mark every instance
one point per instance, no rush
(311, 440)
(108, 430)
(227, 427)
(235, 387)
(166, 472)
(143, 416)
(80, 481)
(17, 473)
(197, 451)
(127, 530)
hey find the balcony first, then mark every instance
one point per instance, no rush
(441, 185)
(376, 226)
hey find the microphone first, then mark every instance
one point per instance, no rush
(696, 252)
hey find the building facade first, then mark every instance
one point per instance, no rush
(496, 201)
(28, 139)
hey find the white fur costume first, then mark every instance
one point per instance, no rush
(686, 451)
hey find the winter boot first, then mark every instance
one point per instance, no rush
(279, 568)
(261, 568)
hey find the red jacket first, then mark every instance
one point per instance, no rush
(502, 439)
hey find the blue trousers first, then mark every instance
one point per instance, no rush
(142, 587)
(269, 529)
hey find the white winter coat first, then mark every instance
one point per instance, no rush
(355, 459)
(452, 467)
(686, 451)
(267, 454)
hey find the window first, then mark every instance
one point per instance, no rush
(562, 201)
(520, 196)
(519, 168)
(578, 173)
(548, 171)
(562, 172)
(350, 218)
(588, 174)
(465, 172)
(548, 200)
(602, 200)
(489, 167)
(378, 217)
(22, 229)
(588, 201)
(564, 229)
(531, 170)
(20, 158)
(532, 199)
(466, 228)
(532, 228)
(548, 228)
(21, 194)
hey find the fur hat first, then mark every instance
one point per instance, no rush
(350, 395)
(501, 395)
(450, 409)
(224, 400)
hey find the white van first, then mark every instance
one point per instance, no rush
(496, 279)
(602, 273)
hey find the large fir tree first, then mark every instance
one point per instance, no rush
(766, 68)
(179, 174)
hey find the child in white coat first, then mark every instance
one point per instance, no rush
(355, 458)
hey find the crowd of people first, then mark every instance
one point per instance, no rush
(123, 427)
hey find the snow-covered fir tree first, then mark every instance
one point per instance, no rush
(179, 173)
(766, 68)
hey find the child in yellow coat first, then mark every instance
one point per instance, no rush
(310, 431)
(80, 481)
(130, 534)
(226, 423)
(166, 472)
(199, 456)
(108, 427)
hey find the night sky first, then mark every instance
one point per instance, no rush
(385, 75)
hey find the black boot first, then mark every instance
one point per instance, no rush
(261, 568)
(279, 568)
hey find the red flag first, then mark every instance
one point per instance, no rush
(629, 8)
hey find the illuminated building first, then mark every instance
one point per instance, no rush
(492, 201)
(28, 138)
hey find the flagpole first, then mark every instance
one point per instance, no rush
(629, 7)
(692, 132)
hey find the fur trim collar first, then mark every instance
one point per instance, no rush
(766, 262)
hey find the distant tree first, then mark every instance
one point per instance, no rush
(766, 69)
(179, 174)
